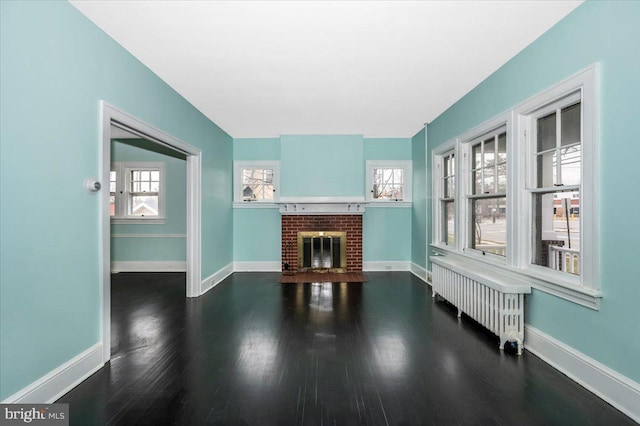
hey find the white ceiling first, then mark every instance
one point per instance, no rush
(381, 69)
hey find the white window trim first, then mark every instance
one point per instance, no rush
(583, 289)
(122, 193)
(437, 156)
(587, 283)
(238, 166)
(463, 208)
(406, 165)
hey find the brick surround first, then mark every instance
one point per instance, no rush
(351, 224)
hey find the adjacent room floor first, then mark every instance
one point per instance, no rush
(254, 352)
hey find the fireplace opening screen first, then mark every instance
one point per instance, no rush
(322, 251)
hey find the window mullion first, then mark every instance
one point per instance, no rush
(121, 190)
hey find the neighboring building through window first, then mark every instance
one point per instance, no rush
(257, 184)
(136, 191)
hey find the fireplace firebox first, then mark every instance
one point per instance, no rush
(322, 251)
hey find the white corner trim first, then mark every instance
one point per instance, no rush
(615, 388)
(60, 380)
(216, 278)
(148, 266)
(257, 266)
(386, 265)
(419, 272)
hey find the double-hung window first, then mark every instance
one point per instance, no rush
(559, 190)
(136, 192)
(523, 194)
(445, 164)
(388, 181)
(554, 187)
(256, 181)
(487, 199)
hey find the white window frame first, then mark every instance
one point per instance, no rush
(586, 286)
(238, 167)
(123, 191)
(583, 289)
(503, 122)
(438, 213)
(406, 165)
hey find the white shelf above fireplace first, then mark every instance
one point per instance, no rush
(321, 205)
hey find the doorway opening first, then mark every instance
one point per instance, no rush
(144, 200)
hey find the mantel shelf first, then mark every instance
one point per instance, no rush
(322, 205)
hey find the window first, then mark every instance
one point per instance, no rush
(388, 181)
(522, 194)
(445, 194)
(487, 198)
(559, 190)
(555, 184)
(256, 181)
(136, 192)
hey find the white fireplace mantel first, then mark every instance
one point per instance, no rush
(321, 205)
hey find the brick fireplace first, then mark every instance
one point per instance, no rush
(349, 223)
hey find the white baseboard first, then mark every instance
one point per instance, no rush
(420, 272)
(385, 265)
(57, 382)
(216, 278)
(618, 390)
(257, 266)
(148, 266)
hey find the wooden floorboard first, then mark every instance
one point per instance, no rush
(255, 352)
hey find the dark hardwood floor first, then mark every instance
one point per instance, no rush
(254, 352)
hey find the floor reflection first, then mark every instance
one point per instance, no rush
(252, 351)
(322, 302)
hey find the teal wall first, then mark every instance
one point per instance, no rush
(256, 235)
(608, 33)
(256, 149)
(386, 234)
(256, 232)
(321, 166)
(155, 248)
(387, 149)
(386, 230)
(419, 208)
(55, 67)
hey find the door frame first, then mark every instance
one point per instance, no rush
(111, 115)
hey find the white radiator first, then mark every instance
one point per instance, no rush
(491, 298)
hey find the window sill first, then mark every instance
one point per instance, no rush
(392, 204)
(582, 296)
(140, 221)
(255, 205)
